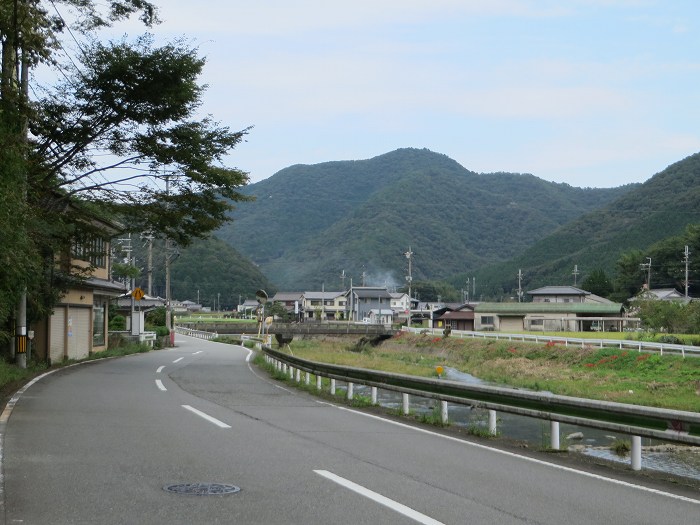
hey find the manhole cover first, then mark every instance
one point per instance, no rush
(202, 489)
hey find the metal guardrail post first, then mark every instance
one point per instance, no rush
(554, 431)
(374, 395)
(332, 387)
(406, 404)
(444, 413)
(493, 430)
(636, 453)
(351, 391)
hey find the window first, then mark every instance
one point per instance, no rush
(487, 319)
(537, 322)
(98, 324)
(92, 250)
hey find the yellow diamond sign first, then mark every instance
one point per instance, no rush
(138, 294)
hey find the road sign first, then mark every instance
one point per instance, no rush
(138, 294)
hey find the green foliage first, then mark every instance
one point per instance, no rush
(621, 447)
(208, 270)
(156, 317)
(117, 323)
(598, 283)
(665, 205)
(100, 144)
(361, 217)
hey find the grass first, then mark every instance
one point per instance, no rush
(625, 376)
(621, 447)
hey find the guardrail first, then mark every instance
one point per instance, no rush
(201, 334)
(673, 426)
(566, 341)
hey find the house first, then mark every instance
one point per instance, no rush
(323, 305)
(123, 305)
(457, 318)
(401, 305)
(290, 300)
(247, 309)
(553, 316)
(558, 294)
(361, 300)
(78, 325)
(662, 294)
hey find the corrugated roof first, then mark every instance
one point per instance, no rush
(548, 308)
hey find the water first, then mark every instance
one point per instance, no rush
(680, 461)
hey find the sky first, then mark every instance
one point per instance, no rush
(592, 93)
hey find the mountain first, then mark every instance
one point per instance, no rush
(310, 223)
(660, 208)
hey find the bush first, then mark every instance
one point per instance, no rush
(670, 339)
(117, 323)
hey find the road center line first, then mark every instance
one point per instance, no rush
(178, 359)
(197, 352)
(160, 385)
(201, 414)
(160, 369)
(382, 500)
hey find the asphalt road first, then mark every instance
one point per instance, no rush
(98, 442)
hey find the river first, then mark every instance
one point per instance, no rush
(656, 455)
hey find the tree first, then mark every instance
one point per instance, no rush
(118, 137)
(630, 278)
(598, 283)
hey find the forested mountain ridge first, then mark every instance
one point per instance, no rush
(310, 223)
(660, 208)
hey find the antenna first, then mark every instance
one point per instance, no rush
(575, 273)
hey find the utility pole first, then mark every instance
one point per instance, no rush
(149, 268)
(409, 277)
(19, 77)
(647, 266)
(575, 273)
(686, 260)
(467, 293)
(520, 288)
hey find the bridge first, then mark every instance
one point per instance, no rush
(292, 329)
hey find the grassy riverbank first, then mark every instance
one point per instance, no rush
(608, 374)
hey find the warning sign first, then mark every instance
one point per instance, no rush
(138, 294)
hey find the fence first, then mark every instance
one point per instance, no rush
(567, 341)
(201, 334)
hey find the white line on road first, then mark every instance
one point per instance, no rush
(160, 369)
(382, 500)
(514, 455)
(201, 414)
(160, 385)
(178, 359)
(198, 352)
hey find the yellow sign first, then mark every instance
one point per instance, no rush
(138, 294)
(439, 370)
